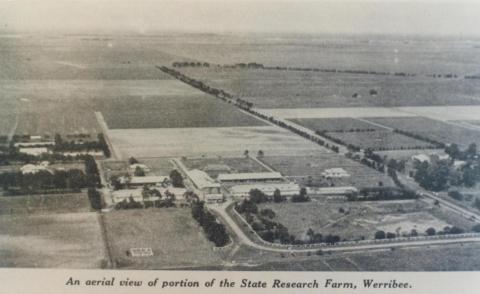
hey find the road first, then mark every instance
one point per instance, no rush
(221, 210)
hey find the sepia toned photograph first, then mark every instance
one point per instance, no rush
(240, 135)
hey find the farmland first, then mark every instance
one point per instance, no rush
(381, 140)
(292, 89)
(71, 240)
(177, 142)
(433, 129)
(360, 220)
(158, 229)
(230, 165)
(341, 124)
(183, 111)
(307, 170)
(158, 166)
(44, 204)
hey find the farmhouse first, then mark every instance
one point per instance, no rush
(148, 180)
(337, 172)
(250, 177)
(208, 187)
(286, 189)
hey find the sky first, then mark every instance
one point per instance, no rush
(404, 17)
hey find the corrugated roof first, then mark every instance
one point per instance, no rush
(250, 176)
(202, 179)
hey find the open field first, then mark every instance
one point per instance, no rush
(361, 220)
(380, 140)
(433, 129)
(234, 165)
(177, 142)
(301, 168)
(407, 154)
(341, 124)
(71, 240)
(60, 57)
(158, 166)
(43, 204)
(292, 89)
(334, 112)
(182, 111)
(175, 238)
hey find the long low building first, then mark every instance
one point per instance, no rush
(332, 191)
(148, 180)
(208, 187)
(250, 177)
(286, 189)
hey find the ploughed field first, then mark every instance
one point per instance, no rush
(340, 124)
(307, 170)
(294, 89)
(224, 141)
(173, 235)
(433, 129)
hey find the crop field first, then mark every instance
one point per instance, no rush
(367, 52)
(307, 170)
(163, 230)
(177, 142)
(341, 124)
(43, 204)
(82, 57)
(361, 220)
(70, 240)
(433, 129)
(189, 111)
(381, 140)
(292, 89)
(235, 165)
(407, 154)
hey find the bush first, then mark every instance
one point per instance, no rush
(380, 235)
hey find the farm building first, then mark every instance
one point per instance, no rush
(136, 194)
(337, 172)
(332, 191)
(143, 167)
(35, 151)
(34, 144)
(148, 180)
(209, 188)
(286, 189)
(421, 158)
(250, 177)
(33, 169)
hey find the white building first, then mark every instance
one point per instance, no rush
(33, 169)
(143, 167)
(148, 180)
(336, 172)
(209, 188)
(35, 151)
(250, 177)
(286, 189)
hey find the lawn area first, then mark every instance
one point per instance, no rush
(175, 238)
(70, 240)
(44, 204)
(307, 170)
(227, 165)
(360, 220)
(433, 129)
(158, 166)
(380, 140)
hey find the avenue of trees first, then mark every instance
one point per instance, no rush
(215, 231)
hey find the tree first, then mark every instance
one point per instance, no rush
(177, 179)
(246, 153)
(380, 235)
(132, 160)
(95, 198)
(277, 196)
(476, 228)
(413, 233)
(260, 154)
(139, 172)
(430, 232)
(391, 235)
(257, 196)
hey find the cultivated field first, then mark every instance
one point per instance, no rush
(433, 129)
(182, 111)
(71, 240)
(335, 112)
(177, 142)
(341, 124)
(307, 170)
(407, 154)
(361, 220)
(381, 140)
(292, 89)
(229, 165)
(175, 238)
(44, 204)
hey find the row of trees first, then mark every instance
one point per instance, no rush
(215, 231)
(62, 145)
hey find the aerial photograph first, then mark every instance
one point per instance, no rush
(240, 135)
